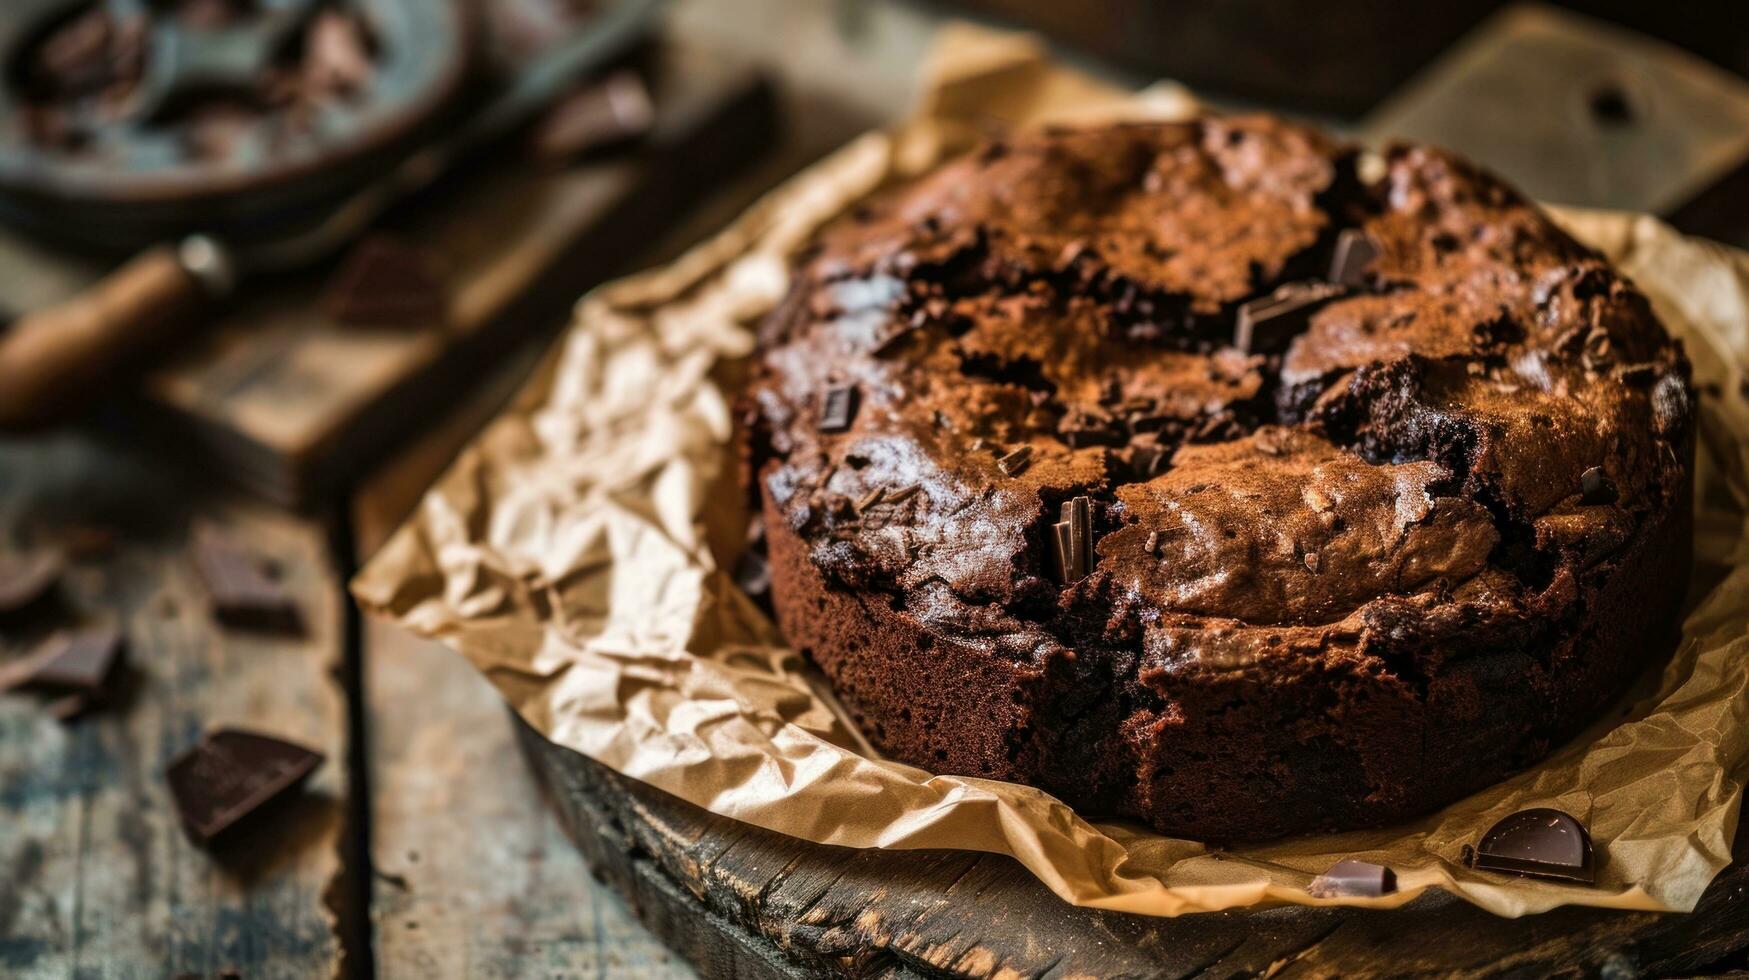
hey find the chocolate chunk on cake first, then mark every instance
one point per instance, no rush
(1240, 495)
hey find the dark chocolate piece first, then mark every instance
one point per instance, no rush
(1269, 322)
(80, 662)
(604, 114)
(1014, 463)
(1361, 879)
(385, 282)
(27, 578)
(1355, 251)
(838, 409)
(231, 774)
(243, 594)
(1540, 843)
(1595, 487)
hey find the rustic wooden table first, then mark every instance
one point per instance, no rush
(424, 848)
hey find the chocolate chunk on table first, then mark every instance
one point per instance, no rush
(1541, 843)
(243, 594)
(230, 774)
(79, 662)
(1354, 878)
(386, 282)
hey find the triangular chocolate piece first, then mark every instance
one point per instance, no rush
(231, 774)
(386, 282)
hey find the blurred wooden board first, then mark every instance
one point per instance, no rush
(1575, 111)
(474, 877)
(289, 404)
(737, 901)
(96, 875)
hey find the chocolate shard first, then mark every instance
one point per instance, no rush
(27, 578)
(1355, 251)
(1540, 843)
(1267, 323)
(1595, 487)
(231, 774)
(385, 282)
(604, 114)
(838, 408)
(243, 594)
(1015, 462)
(1360, 879)
(1637, 375)
(1063, 551)
(1074, 531)
(78, 662)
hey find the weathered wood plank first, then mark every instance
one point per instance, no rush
(474, 877)
(98, 878)
(783, 907)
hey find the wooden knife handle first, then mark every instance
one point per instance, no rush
(57, 361)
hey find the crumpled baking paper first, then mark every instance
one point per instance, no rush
(576, 553)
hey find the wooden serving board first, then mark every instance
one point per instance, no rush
(743, 902)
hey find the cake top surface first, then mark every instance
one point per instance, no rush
(1298, 402)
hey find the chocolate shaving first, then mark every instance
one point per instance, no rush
(1153, 545)
(231, 774)
(1638, 375)
(902, 494)
(870, 498)
(1015, 462)
(1269, 322)
(1356, 250)
(838, 408)
(1540, 843)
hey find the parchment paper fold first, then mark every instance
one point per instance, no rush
(575, 555)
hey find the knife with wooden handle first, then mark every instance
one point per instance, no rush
(51, 359)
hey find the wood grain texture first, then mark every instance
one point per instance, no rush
(96, 875)
(736, 900)
(474, 878)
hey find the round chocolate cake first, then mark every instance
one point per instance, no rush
(1198, 473)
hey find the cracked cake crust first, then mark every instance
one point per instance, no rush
(1428, 524)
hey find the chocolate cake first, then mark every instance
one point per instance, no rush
(1212, 474)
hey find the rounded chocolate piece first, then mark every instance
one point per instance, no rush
(1540, 842)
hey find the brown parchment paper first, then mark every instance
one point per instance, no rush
(575, 555)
